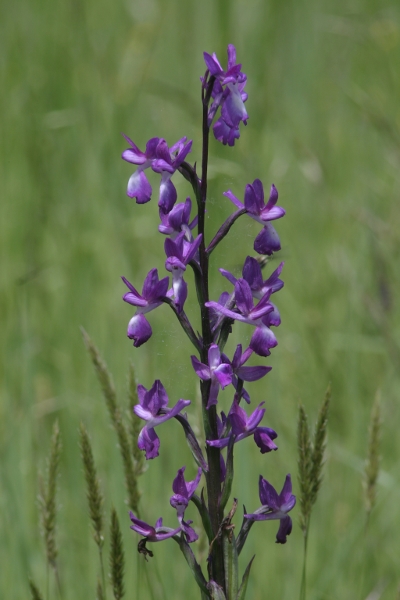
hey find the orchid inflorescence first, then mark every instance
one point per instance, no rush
(248, 300)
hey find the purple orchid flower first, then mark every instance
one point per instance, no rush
(253, 275)
(244, 426)
(152, 408)
(177, 220)
(275, 506)
(162, 160)
(158, 533)
(179, 253)
(228, 93)
(183, 492)
(262, 339)
(242, 372)
(267, 241)
(153, 291)
(218, 371)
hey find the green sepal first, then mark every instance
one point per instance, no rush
(243, 587)
(193, 564)
(205, 517)
(226, 490)
(231, 565)
(216, 591)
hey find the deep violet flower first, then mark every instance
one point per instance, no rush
(153, 291)
(244, 426)
(219, 372)
(262, 339)
(153, 408)
(183, 492)
(179, 253)
(162, 160)
(228, 93)
(267, 241)
(242, 372)
(158, 533)
(275, 506)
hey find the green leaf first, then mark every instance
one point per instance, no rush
(216, 591)
(231, 564)
(193, 564)
(205, 517)
(226, 490)
(242, 590)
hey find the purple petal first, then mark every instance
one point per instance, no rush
(149, 442)
(264, 441)
(139, 330)
(201, 370)
(243, 296)
(285, 529)
(168, 194)
(262, 340)
(268, 494)
(233, 199)
(267, 242)
(223, 373)
(224, 133)
(286, 492)
(139, 187)
(252, 373)
(252, 273)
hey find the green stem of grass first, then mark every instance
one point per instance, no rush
(303, 587)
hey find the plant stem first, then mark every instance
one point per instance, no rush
(304, 574)
(213, 478)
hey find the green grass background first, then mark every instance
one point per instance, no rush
(324, 126)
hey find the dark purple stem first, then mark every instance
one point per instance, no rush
(213, 477)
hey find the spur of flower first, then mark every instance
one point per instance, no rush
(275, 507)
(139, 329)
(153, 408)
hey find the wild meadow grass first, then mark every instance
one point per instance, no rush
(324, 127)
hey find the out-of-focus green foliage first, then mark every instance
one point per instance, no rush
(324, 127)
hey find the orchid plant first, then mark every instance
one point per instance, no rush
(248, 300)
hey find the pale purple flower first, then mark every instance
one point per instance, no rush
(262, 339)
(158, 533)
(138, 184)
(183, 492)
(267, 242)
(275, 506)
(228, 93)
(244, 426)
(153, 408)
(177, 220)
(253, 275)
(179, 253)
(242, 372)
(162, 160)
(220, 373)
(153, 291)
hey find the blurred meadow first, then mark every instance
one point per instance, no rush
(324, 127)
